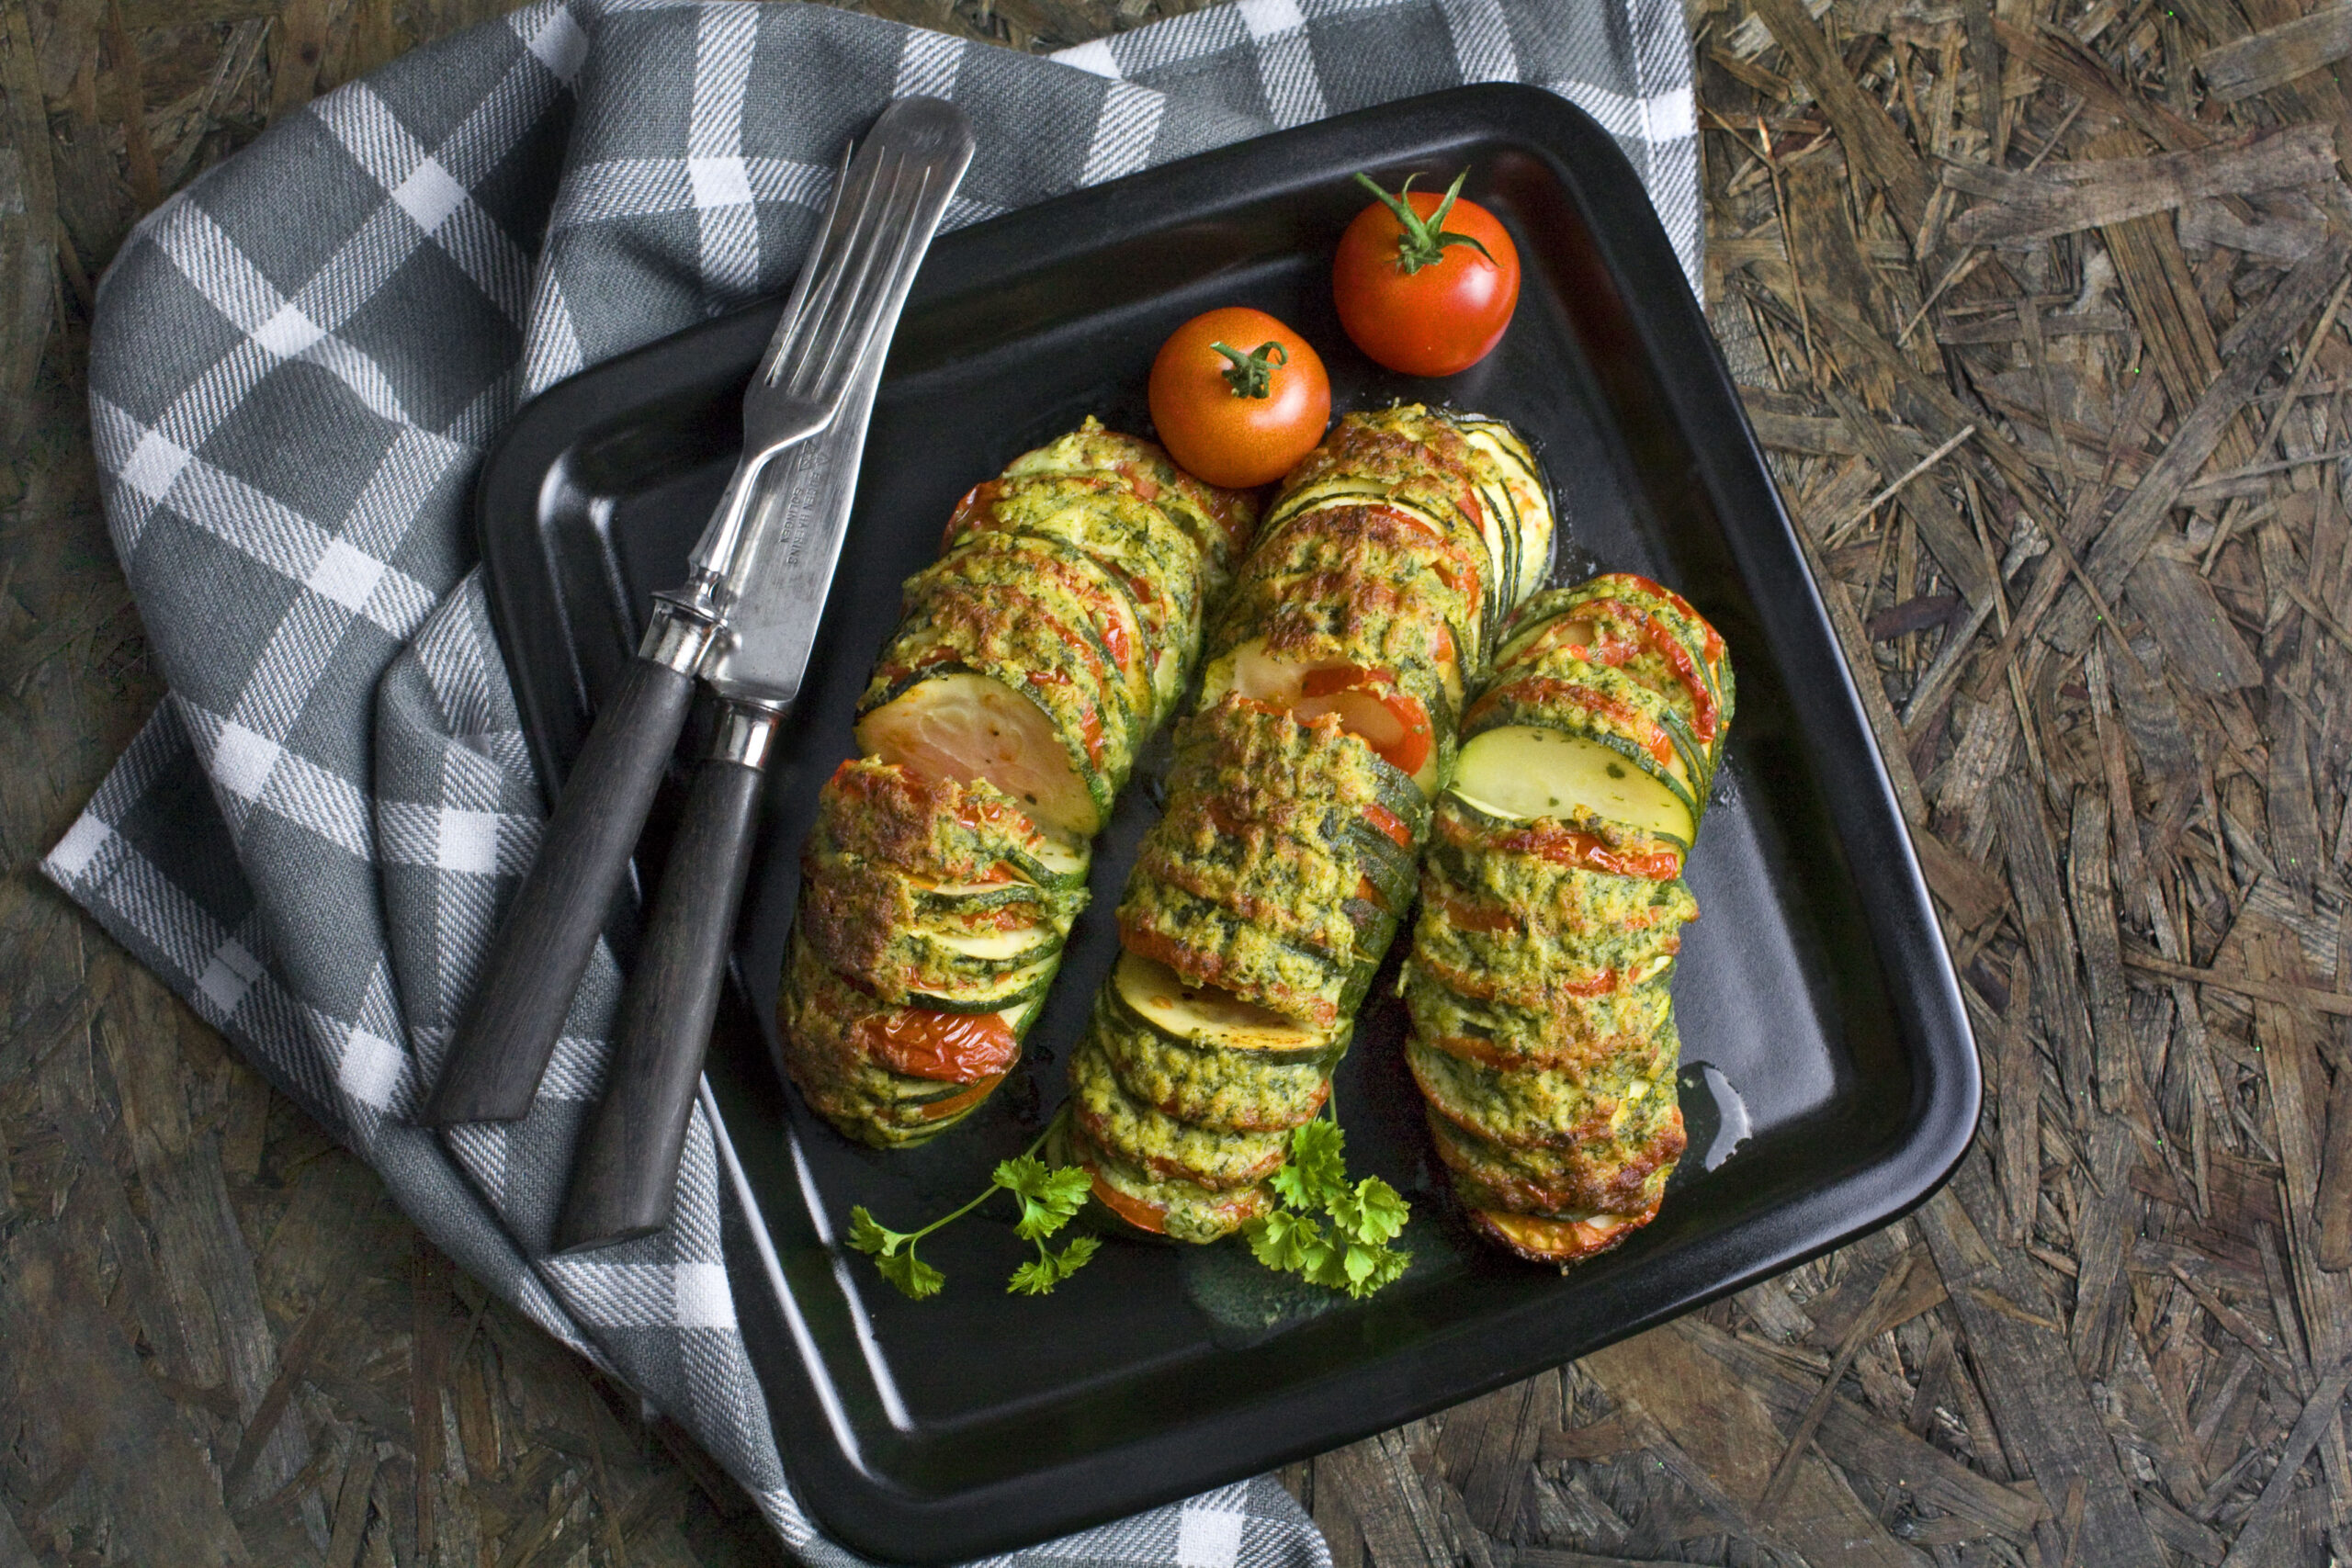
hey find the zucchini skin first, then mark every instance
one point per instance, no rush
(933, 910)
(1277, 875)
(1542, 1038)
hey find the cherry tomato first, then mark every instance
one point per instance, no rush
(1425, 283)
(1239, 397)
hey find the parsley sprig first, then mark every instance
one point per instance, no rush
(1050, 1198)
(1354, 1255)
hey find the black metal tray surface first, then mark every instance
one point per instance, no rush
(1830, 1080)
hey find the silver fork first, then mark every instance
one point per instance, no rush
(877, 222)
(887, 203)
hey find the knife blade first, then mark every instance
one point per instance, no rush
(770, 536)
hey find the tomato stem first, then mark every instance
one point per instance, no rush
(1251, 374)
(1421, 242)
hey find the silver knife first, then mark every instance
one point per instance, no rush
(760, 575)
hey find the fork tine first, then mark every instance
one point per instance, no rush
(798, 300)
(825, 346)
(845, 353)
(824, 296)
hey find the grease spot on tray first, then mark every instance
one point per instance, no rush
(1715, 1117)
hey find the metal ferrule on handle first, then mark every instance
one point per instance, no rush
(625, 1176)
(525, 991)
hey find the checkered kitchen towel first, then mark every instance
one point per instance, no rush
(297, 366)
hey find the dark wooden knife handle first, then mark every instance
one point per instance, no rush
(543, 945)
(625, 1173)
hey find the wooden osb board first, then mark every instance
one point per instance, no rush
(2036, 304)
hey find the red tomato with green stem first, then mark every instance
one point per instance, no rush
(1425, 284)
(1239, 397)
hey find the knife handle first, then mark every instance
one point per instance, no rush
(543, 946)
(626, 1174)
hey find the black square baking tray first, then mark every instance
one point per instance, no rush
(1830, 1080)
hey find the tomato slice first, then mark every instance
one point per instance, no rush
(1472, 917)
(1396, 725)
(940, 1109)
(1573, 846)
(948, 1047)
(1388, 822)
(1134, 1210)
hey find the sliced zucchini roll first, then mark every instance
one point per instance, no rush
(1154, 557)
(1220, 523)
(1552, 903)
(1265, 897)
(1563, 1031)
(1623, 1173)
(946, 866)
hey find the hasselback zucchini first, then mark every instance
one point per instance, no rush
(1551, 902)
(1032, 659)
(1265, 897)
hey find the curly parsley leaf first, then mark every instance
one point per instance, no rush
(1370, 1213)
(867, 1235)
(1354, 1255)
(913, 1277)
(1280, 1239)
(1050, 1198)
(1317, 1170)
(894, 1254)
(1051, 1269)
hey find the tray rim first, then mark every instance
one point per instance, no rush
(868, 1511)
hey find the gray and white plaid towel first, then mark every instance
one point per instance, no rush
(297, 366)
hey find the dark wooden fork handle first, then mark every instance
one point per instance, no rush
(543, 946)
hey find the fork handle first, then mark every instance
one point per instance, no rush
(626, 1175)
(550, 930)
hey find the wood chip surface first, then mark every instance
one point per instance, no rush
(2037, 307)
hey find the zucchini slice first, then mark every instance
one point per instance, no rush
(1125, 1199)
(1530, 1109)
(1094, 603)
(1220, 1089)
(1138, 544)
(1601, 704)
(952, 723)
(1148, 995)
(988, 993)
(1542, 1239)
(1622, 1174)
(1545, 1033)
(1220, 522)
(983, 953)
(1285, 881)
(1521, 771)
(1509, 468)
(1212, 946)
